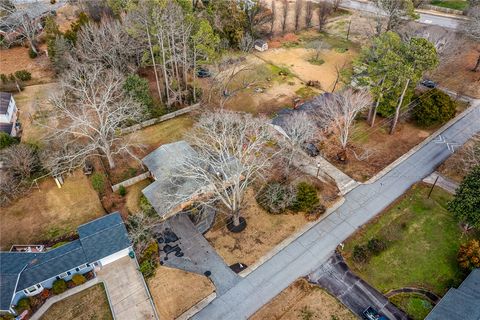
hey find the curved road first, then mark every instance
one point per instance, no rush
(313, 248)
(426, 18)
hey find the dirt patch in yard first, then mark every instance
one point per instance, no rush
(49, 212)
(264, 231)
(374, 147)
(302, 300)
(34, 110)
(16, 58)
(296, 59)
(88, 304)
(175, 291)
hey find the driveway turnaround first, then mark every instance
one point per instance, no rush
(183, 247)
(335, 276)
(127, 292)
(314, 247)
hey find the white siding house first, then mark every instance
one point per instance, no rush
(8, 114)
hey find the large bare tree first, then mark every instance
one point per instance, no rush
(298, 13)
(338, 111)
(309, 7)
(324, 11)
(232, 153)
(90, 109)
(107, 43)
(284, 16)
(300, 129)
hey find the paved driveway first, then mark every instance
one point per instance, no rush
(335, 276)
(314, 247)
(126, 290)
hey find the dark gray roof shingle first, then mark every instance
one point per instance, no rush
(460, 304)
(98, 239)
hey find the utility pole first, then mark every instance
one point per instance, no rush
(348, 30)
(433, 186)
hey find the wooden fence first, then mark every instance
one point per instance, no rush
(131, 181)
(165, 117)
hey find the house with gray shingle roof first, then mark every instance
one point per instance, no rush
(24, 274)
(460, 304)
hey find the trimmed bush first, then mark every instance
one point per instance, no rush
(6, 140)
(4, 78)
(23, 75)
(98, 182)
(147, 268)
(122, 191)
(360, 254)
(79, 279)
(375, 246)
(23, 304)
(435, 107)
(59, 286)
(32, 54)
(146, 207)
(275, 197)
(306, 198)
(150, 252)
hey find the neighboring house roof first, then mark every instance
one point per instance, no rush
(4, 101)
(33, 11)
(169, 190)
(460, 304)
(97, 239)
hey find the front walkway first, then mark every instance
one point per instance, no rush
(126, 289)
(443, 182)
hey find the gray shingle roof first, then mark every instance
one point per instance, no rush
(169, 190)
(4, 101)
(460, 304)
(98, 239)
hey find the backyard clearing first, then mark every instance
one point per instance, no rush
(33, 106)
(16, 58)
(264, 231)
(91, 303)
(49, 212)
(422, 240)
(302, 300)
(174, 291)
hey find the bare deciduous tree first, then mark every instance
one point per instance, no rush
(298, 13)
(107, 43)
(247, 42)
(140, 228)
(309, 13)
(21, 160)
(471, 156)
(324, 11)
(284, 15)
(472, 29)
(339, 111)
(300, 129)
(91, 108)
(232, 152)
(21, 23)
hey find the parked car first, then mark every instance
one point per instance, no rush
(372, 314)
(311, 149)
(203, 73)
(428, 83)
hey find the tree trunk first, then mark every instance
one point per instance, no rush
(111, 163)
(372, 113)
(477, 66)
(150, 47)
(236, 217)
(397, 111)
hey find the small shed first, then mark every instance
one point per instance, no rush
(260, 45)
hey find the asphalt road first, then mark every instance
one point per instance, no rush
(425, 18)
(306, 253)
(335, 276)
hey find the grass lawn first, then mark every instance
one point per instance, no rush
(423, 239)
(451, 4)
(49, 212)
(165, 132)
(414, 305)
(88, 304)
(133, 195)
(302, 300)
